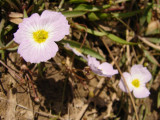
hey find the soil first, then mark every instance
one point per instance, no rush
(58, 93)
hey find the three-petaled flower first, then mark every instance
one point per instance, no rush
(37, 35)
(105, 69)
(136, 81)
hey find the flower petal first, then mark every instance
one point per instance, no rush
(107, 69)
(56, 23)
(141, 73)
(37, 53)
(26, 28)
(93, 64)
(128, 79)
(93, 61)
(141, 92)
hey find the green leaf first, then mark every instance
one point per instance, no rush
(78, 1)
(145, 14)
(25, 14)
(1, 28)
(90, 8)
(92, 16)
(149, 16)
(127, 14)
(84, 49)
(85, 7)
(101, 16)
(2, 52)
(118, 15)
(118, 39)
(109, 35)
(142, 112)
(158, 99)
(2, 25)
(151, 58)
(73, 13)
(8, 28)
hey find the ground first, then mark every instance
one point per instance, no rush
(64, 87)
(60, 95)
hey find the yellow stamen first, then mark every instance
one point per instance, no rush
(40, 36)
(136, 83)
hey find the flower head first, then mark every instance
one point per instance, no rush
(37, 35)
(104, 69)
(136, 81)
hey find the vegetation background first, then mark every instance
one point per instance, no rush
(63, 87)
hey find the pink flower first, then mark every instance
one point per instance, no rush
(37, 35)
(104, 69)
(136, 81)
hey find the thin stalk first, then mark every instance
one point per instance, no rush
(40, 70)
(60, 5)
(33, 88)
(2, 52)
(124, 81)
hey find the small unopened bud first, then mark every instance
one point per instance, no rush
(36, 99)
(91, 94)
(24, 67)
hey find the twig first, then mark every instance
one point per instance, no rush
(124, 81)
(10, 70)
(61, 4)
(2, 25)
(128, 49)
(85, 36)
(36, 98)
(149, 43)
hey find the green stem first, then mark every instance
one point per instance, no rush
(2, 52)
(40, 70)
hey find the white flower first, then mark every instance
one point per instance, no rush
(136, 81)
(37, 35)
(105, 69)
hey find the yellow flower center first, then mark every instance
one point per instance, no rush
(40, 36)
(136, 83)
